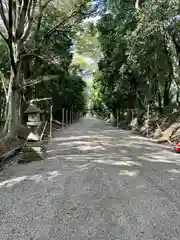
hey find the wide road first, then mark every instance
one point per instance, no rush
(97, 183)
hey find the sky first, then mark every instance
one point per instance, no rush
(92, 19)
(88, 77)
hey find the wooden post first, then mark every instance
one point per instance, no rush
(132, 117)
(62, 119)
(72, 113)
(51, 118)
(45, 125)
(70, 117)
(148, 122)
(132, 114)
(66, 116)
(117, 118)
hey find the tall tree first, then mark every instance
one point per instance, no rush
(139, 41)
(19, 18)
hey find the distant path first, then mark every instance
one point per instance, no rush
(97, 183)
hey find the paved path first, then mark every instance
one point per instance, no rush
(97, 183)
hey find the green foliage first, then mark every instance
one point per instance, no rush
(67, 87)
(47, 70)
(141, 52)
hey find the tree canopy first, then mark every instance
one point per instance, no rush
(37, 39)
(140, 65)
(132, 52)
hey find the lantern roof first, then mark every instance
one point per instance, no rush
(32, 109)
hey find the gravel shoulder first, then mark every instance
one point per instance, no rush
(97, 182)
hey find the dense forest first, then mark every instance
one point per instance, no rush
(133, 46)
(139, 71)
(36, 51)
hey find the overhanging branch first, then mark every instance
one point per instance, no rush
(25, 5)
(52, 30)
(42, 79)
(30, 15)
(137, 5)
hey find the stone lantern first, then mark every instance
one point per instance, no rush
(33, 148)
(33, 113)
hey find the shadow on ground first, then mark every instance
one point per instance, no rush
(113, 150)
(94, 178)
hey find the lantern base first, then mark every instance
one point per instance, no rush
(33, 151)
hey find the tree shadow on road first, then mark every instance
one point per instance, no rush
(113, 172)
(122, 154)
(117, 153)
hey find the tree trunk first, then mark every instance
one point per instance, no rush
(137, 5)
(166, 99)
(159, 100)
(177, 97)
(166, 96)
(13, 105)
(14, 90)
(122, 113)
